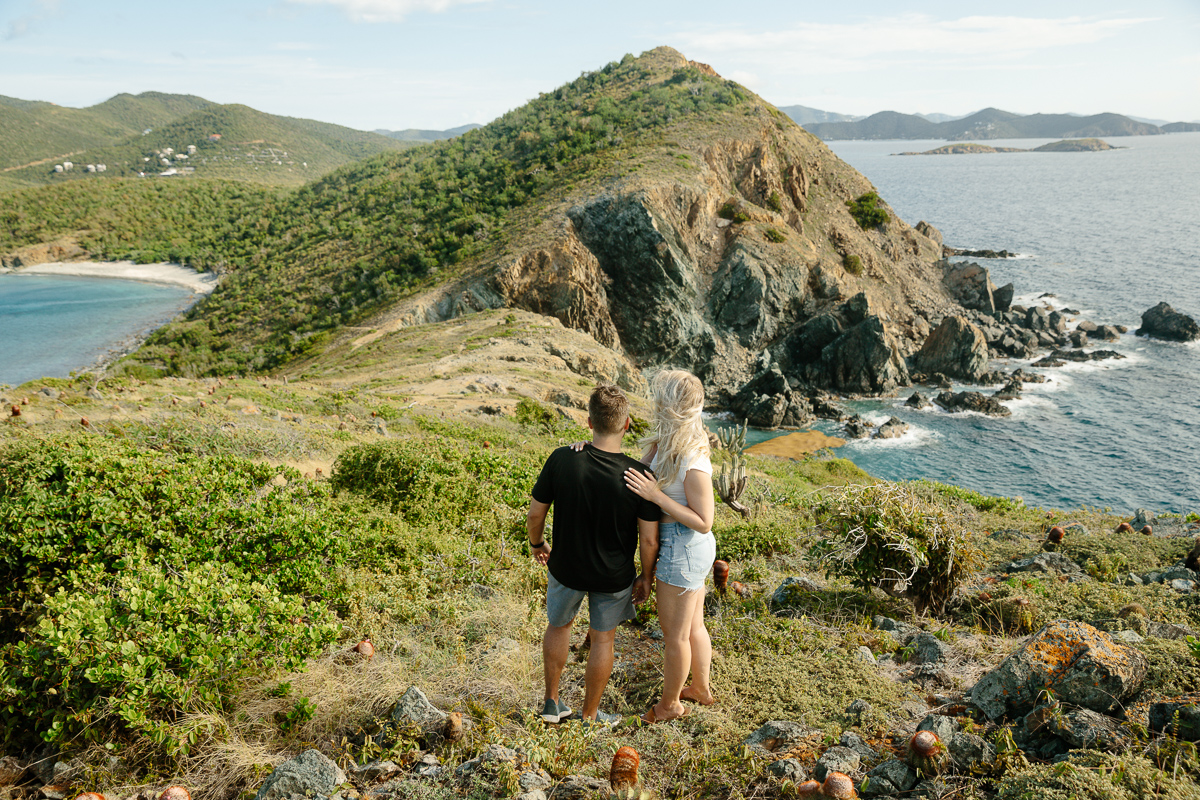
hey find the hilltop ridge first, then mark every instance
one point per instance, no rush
(989, 123)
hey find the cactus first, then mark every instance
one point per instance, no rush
(731, 483)
(733, 439)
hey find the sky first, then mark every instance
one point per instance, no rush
(437, 64)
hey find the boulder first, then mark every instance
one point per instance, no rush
(776, 736)
(955, 348)
(1081, 728)
(918, 400)
(1050, 563)
(970, 284)
(1180, 718)
(889, 778)
(927, 230)
(892, 429)
(971, 401)
(1080, 664)
(1010, 391)
(928, 649)
(1164, 322)
(579, 787)
(788, 769)
(836, 759)
(857, 428)
(865, 359)
(1002, 297)
(310, 774)
(970, 753)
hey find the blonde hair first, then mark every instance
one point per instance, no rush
(676, 426)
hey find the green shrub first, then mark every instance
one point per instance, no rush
(444, 484)
(866, 211)
(727, 210)
(131, 653)
(978, 501)
(531, 412)
(888, 535)
(853, 264)
(775, 236)
(775, 203)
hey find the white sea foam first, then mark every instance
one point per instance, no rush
(915, 436)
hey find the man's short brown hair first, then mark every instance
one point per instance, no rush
(608, 408)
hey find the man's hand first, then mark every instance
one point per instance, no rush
(542, 554)
(641, 589)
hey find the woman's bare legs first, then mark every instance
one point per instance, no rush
(677, 611)
(699, 690)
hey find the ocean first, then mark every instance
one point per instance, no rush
(52, 325)
(1108, 233)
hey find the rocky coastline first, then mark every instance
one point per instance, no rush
(785, 393)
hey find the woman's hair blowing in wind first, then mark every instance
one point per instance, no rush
(676, 427)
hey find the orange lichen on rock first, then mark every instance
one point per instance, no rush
(1081, 664)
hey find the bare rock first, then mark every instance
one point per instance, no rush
(310, 774)
(1164, 322)
(775, 736)
(1080, 664)
(955, 348)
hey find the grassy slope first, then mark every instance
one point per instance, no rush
(433, 628)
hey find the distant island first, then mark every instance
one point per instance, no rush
(990, 123)
(1062, 146)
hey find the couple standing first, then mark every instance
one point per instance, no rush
(607, 506)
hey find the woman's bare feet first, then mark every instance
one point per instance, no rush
(661, 712)
(691, 693)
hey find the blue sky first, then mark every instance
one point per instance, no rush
(442, 63)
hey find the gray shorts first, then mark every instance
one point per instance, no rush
(605, 611)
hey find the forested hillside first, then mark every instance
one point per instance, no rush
(148, 134)
(341, 247)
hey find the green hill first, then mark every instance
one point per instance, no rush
(252, 144)
(990, 123)
(420, 135)
(667, 212)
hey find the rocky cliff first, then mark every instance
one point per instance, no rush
(732, 247)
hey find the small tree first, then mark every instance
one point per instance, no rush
(887, 535)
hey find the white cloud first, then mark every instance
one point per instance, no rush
(296, 47)
(385, 10)
(817, 48)
(38, 10)
(747, 79)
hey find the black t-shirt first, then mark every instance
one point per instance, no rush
(595, 518)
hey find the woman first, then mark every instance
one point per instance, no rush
(677, 450)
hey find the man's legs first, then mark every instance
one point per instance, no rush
(556, 646)
(599, 668)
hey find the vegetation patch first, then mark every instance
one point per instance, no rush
(866, 210)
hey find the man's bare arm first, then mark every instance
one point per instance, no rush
(535, 529)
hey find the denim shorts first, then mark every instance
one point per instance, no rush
(684, 556)
(605, 611)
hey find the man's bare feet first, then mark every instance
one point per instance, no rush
(692, 694)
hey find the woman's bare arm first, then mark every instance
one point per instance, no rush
(697, 487)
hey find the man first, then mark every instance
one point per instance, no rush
(598, 523)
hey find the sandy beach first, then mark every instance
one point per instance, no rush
(170, 274)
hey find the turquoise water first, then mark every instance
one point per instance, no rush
(51, 324)
(1111, 234)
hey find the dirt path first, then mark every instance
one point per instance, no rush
(43, 161)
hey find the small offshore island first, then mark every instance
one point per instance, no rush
(973, 148)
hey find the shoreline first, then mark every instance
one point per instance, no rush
(164, 273)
